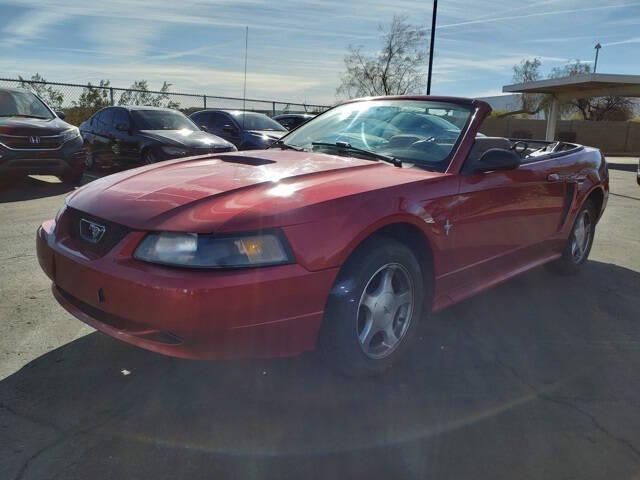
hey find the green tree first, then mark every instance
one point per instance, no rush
(396, 69)
(50, 95)
(140, 95)
(92, 99)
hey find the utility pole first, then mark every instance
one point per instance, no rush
(433, 39)
(595, 65)
(244, 90)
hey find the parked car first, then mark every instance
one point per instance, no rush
(292, 120)
(130, 136)
(345, 236)
(35, 140)
(246, 130)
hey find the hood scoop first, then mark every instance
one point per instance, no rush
(251, 161)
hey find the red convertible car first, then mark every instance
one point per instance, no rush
(344, 234)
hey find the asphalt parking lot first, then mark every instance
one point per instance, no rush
(537, 378)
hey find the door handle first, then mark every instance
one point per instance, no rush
(553, 177)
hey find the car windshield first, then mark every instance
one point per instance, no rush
(414, 131)
(257, 121)
(22, 104)
(162, 120)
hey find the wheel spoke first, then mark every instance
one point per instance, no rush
(578, 233)
(368, 332)
(369, 301)
(390, 338)
(575, 249)
(403, 298)
(386, 282)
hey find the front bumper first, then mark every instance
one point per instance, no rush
(264, 312)
(68, 159)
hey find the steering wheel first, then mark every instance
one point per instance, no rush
(520, 147)
(428, 146)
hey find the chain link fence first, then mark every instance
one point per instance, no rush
(79, 102)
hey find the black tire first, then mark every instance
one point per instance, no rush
(72, 178)
(570, 263)
(341, 332)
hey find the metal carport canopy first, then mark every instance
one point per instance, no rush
(578, 86)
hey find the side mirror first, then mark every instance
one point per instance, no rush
(230, 129)
(204, 128)
(122, 127)
(497, 159)
(60, 114)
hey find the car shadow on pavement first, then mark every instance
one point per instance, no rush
(625, 167)
(29, 188)
(536, 378)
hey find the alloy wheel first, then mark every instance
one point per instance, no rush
(385, 310)
(581, 236)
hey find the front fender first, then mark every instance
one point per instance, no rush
(329, 242)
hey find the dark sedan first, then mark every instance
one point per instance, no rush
(246, 130)
(36, 141)
(293, 120)
(129, 136)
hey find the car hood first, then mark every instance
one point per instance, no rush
(32, 126)
(186, 138)
(234, 191)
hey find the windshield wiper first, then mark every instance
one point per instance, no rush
(286, 146)
(348, 147)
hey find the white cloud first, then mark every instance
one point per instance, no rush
(112, 36)
(622, 42)
(29, 26)
(538, 14)
(296, 47)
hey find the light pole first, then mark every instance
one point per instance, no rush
(433, 39)
(595, 65)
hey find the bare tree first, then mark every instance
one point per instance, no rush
(530, 103)
(397, 69)
(611, 107)
(590, 108)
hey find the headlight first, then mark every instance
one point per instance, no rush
(177, 151)
(211, 251)
(60, 212)
(70, 134)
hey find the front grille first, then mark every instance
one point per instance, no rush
(31, 142)
(119, 323)
(113, 233)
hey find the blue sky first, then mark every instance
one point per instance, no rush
(296, 48)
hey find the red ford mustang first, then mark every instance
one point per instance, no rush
(344, 235)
